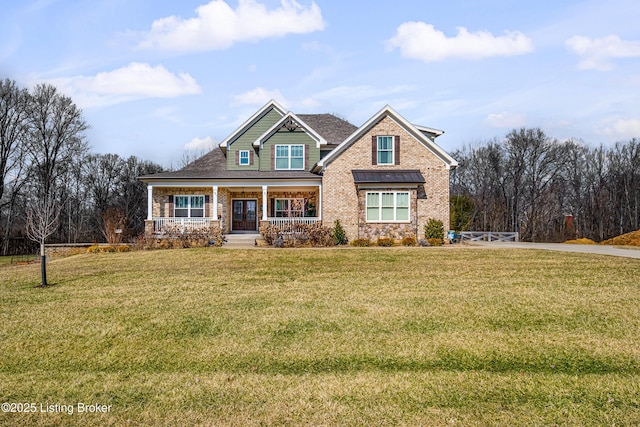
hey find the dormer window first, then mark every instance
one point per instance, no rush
(290, 157)
(243, 159)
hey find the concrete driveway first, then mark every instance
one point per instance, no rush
(627, 252)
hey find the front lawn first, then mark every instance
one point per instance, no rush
(356, 336)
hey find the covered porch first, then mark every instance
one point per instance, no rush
(234, 207)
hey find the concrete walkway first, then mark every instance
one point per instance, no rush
(627, 252)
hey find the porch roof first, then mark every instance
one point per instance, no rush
(397, 176)
(213, 166)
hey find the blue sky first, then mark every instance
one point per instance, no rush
(157, 77)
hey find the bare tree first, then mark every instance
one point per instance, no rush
(56, 135)
(13, 168)
(42, 222)
(55, 138)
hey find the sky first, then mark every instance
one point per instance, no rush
(157, 77)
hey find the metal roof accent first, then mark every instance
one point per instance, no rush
(395, 176)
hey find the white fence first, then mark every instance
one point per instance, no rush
(489, 236)
(180, 224)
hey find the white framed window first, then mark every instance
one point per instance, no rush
(387, 206)
(290, 157)
(385, 150)
(289, 208)
(243, 158)
(188, 206)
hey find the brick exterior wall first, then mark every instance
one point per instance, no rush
(342, 200)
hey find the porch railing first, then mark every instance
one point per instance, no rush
(180, 224)
(281, 222)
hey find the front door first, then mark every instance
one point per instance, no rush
(244, 215)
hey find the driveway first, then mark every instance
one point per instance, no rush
(627, 252)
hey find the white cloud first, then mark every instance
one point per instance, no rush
(620, 129)
(200, 144)
(135, 81)
(506, 119)
(418, 40)
(218, 26)
(259, 96)
(596, 53)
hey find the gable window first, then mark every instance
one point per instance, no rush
(290, 157)
(243, 159)
(189, 206)
(385, 150)
(388, 206)
(289, 208)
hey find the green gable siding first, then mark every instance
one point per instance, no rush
(246, 140)
(284, 137)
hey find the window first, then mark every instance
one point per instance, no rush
(189, 206)
(385, 150)
(290, 157)
(388, 206)
(289, 208)
(243, 159)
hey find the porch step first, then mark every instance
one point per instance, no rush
(241, 240)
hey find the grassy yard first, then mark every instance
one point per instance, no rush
(371, 336)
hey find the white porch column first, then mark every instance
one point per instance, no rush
(215, 203)
(149, 202)
(264, 202)
(319, 213)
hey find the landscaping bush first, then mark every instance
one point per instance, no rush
(362, 243)
(385, 242)
(409, 241)
(175, 238)
(94, 249)
(123, 248)
(434, 230)
(339, 235)
(296, 234)
(434, 242)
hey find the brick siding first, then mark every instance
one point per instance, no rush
(341, 199)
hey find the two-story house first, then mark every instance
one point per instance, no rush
(385, 178)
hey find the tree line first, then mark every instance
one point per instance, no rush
(545, 189)
(53, 187)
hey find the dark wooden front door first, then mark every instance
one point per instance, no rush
(244, 215)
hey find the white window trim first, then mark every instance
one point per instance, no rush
(395, 207)
(289, 146)
(189, 196)
(393, 149)
(240, 158)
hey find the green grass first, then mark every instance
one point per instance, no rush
(357, 336)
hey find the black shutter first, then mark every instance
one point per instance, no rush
(374, 150)
(397, 149)
(206, 205)
(170, 212)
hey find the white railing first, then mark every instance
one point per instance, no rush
(180, 224)
(489, 236)
(281, 222)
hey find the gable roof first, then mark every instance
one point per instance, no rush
(416, 132)
(290, 119)
(271, 105)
